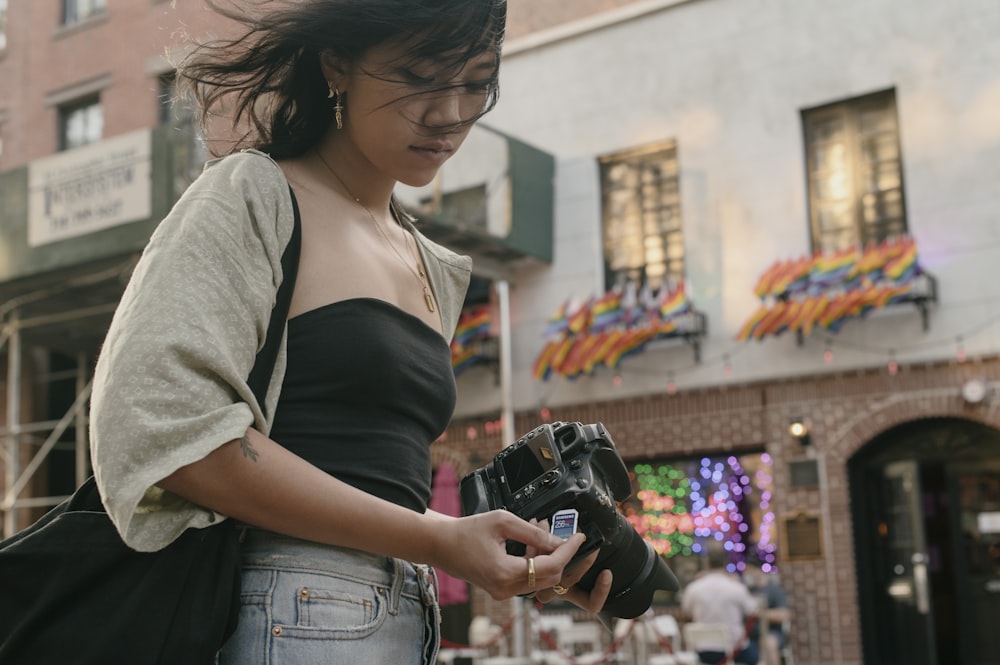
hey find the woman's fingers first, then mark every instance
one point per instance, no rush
(546, 563)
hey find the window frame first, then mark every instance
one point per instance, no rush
(71, 14)
(856, 174)
(65, 112)
(4, 9)
(643, 159)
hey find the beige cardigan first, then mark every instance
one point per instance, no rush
(170, 383)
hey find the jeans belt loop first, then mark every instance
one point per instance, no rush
(398, 577)
(428, 584)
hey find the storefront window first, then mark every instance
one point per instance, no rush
(680, 505)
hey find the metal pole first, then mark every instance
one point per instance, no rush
(507, 427)
(13, 421)
(82, 447)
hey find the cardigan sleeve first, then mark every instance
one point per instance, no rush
(170, 385)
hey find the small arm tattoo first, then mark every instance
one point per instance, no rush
(248, 449)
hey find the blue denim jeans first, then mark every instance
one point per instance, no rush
(309, 604)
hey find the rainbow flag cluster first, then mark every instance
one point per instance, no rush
(825, 290)
(602, 331)
(473, 325)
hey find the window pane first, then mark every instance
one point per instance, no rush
(838, 240)
(836, 216)
(829, 156)
(3, 24)
(75, 11)
(82, 125)
(855, 173)
(642, 224)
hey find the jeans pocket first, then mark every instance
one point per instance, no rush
(328, 606)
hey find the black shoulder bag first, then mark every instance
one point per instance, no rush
(72, 592)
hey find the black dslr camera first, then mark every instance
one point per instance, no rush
(571, 465)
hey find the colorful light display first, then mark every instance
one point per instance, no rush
(679, 506)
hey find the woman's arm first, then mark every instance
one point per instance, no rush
(259, 482)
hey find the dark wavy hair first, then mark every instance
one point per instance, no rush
(271, 73)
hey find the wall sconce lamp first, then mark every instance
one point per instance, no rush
(799, 431)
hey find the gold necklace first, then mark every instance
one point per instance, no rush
(419, 270)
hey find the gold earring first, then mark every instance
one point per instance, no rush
(338, 109)
(333, 91)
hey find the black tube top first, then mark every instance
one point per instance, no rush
(367, 389)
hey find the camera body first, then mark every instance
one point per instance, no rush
(552, 467)
(571, 465)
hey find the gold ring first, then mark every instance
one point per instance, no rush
(531, 572)
(560, 589)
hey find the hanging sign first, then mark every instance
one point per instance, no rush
(91, 188)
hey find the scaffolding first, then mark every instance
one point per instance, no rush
(65, 314)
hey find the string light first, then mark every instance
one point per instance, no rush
(545, 413)
(671, 386)
(960, 352)
(893, 366)
(680, 506)
(617, 381)
(727, 367)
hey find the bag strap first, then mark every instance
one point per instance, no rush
(263, 367)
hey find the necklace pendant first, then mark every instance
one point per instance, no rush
(429, 299)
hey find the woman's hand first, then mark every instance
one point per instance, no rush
(566, 589)
(474, 548)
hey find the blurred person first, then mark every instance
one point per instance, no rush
(770, 632)
(337, 101)
(720, 597)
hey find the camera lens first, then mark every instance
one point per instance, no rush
(638, 572)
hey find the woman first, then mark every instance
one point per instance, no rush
(339, 100)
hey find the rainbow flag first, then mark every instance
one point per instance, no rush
(561, 353)
(748, 329)
(577, 360)
(599, 352)
(463, 358)
(793, 279)
(557, 323)
(664, 329)
(901, 293)
(542, 367)
(787, 318)
(630, 343)
(579, 319)
(903, 267)
(770, 322)
(606, 311)
(765, 283)
(842, 308)
(473, 324)
(832, 270)
(673, 302)
(812, 310)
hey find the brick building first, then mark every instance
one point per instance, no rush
(666, 153)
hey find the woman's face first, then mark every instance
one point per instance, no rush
(405, 121)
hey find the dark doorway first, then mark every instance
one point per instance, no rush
(925, 501)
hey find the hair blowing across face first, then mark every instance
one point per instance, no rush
(269, 78)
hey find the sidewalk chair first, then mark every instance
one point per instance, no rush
(708, 637)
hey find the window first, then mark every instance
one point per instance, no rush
(75, 11)
(643, 240)
(80, 123)
(3, 24)
(854, 171)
